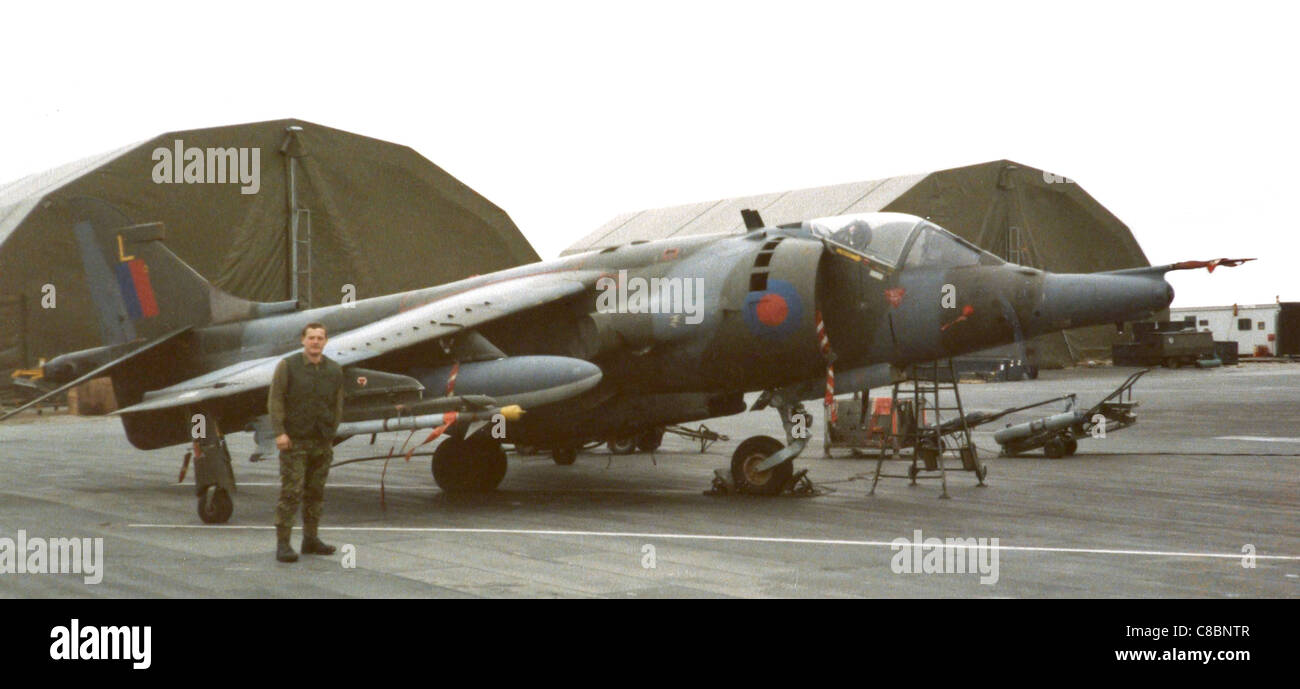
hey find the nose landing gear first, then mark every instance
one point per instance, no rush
(762, 465)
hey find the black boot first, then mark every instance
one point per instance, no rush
(284, 551)
(311, 545)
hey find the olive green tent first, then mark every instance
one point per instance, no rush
(1020, 213)
(370, 214)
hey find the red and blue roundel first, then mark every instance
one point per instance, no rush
(774, 312)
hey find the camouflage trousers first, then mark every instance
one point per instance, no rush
(303, 470)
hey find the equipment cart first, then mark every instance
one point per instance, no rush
(1058, 435)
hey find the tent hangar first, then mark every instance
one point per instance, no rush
(370, 218)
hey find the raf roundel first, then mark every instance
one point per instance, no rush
(774, 312)
(771, 310)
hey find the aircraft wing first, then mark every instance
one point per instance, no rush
(449, 315)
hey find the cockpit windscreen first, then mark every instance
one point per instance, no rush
(880, 235)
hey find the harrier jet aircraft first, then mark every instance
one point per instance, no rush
(612, 343)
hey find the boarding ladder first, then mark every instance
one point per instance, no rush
(300, 230)
(937, 430)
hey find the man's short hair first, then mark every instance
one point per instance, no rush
(313, 326)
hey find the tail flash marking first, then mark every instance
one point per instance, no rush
(126, 287)
(143, 288)
(137, 291)
(133, 282)
(115, 327)
(121, 251)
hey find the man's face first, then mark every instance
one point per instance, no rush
(313, 343)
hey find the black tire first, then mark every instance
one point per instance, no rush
(650, 439)
(564, 456)
(470, 465)
(750, 453)
(1055, 448)
(1071, 446)
(624, 445)
(451, 469)
(489, 462)
(219, 509)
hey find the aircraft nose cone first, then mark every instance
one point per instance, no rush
(1071, 301)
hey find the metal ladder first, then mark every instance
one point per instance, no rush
(947, 435)
(301, 248)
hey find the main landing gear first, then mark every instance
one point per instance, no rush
(761, 465)
(647, 440)
(474, 464)
(565, 456)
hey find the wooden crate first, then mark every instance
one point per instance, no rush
(92, 398)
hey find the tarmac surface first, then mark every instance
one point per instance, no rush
(1167, 508)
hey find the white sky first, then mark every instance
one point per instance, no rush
(1180, 118)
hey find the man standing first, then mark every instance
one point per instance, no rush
(306, 405)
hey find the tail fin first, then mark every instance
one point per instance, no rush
(140, 288)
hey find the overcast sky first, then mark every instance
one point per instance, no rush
(1180, 118)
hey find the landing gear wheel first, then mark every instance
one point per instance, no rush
(1055, 448)
(469, 465)
(625, 445)
(748, 456)
(1071, 446)
(218, 509)
(490, 460)
(564, 456)
(650, 440)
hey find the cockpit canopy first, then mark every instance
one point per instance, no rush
(886, 236)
